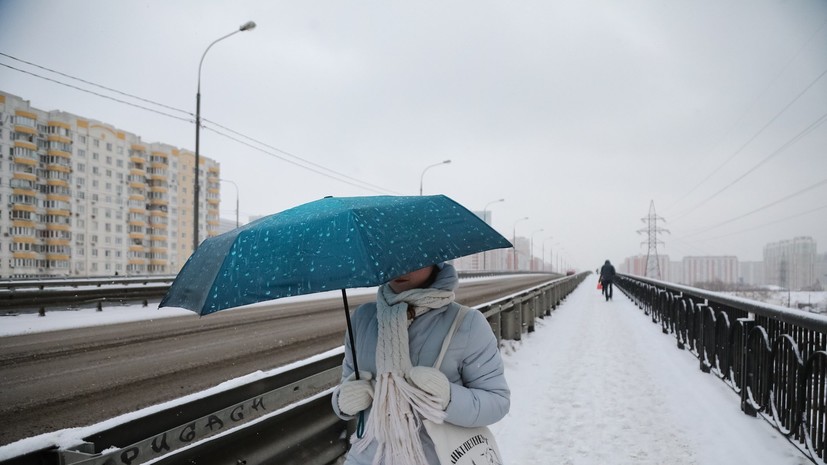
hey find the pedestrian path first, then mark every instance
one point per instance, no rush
(598, 383)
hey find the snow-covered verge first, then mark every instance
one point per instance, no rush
(815, 301)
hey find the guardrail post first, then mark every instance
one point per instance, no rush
(528, 313)
(510, 319)
(495, 322)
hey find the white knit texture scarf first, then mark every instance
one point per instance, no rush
(395, 420)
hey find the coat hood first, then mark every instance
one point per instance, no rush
(447, 278)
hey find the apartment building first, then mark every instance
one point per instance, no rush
(710, 269)
(79, 197)
(791, 264)
(637, 266)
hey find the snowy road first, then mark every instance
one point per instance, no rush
(598, 383)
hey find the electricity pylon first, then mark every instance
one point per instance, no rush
(652, 230)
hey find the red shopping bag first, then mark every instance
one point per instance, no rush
(599, 285)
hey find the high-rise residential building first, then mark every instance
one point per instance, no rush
(751, 273)
(79, 197)
(637, 266)
(791, 264)
(490, 260)
(821, 271)
(719, 269)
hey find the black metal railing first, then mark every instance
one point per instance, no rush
(774, 358)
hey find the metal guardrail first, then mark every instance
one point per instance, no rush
(38, 295)
(285, 418)
(773, 357)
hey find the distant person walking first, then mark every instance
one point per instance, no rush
(607, 276)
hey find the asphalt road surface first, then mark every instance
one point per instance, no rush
(77, 377)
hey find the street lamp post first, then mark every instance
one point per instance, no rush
(236, 199)
(531, 258)
(514, 242)
(422, 177)
(248, 26)
(484, 218)
(543, 255)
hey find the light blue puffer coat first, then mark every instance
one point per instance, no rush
(479, 393)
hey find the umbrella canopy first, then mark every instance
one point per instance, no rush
(329, 244)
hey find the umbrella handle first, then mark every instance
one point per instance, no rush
(360, 424)
(350, 334)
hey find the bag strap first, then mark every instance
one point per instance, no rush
(463, 310)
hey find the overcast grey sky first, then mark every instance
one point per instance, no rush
(578, 113)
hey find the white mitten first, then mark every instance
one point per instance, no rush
(432, 381)
(356, 395)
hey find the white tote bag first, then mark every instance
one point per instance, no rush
(456, 445)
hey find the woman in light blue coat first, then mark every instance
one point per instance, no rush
(398, 339)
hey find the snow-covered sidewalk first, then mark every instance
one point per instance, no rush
(598, 383)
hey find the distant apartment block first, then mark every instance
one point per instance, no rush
(718, 269)
(79, 197)
(637, 266)
(689, 271)
(791, 264)
(821, 270)
(751, 273)
(490, 260)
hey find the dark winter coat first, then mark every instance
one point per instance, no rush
(607, 272)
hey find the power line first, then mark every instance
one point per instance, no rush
(97, 85)
(294, 162)
(771, 204)
(813, 210)
(299, 158)
(98, 94)
(746, 112)
(361, 184)
(743, 146)
(820, 120)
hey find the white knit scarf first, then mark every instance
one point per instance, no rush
(394, 421)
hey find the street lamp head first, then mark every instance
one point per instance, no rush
(446, 162)
(248, 26)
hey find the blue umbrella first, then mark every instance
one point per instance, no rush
(329, 244)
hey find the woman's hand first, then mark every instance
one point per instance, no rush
(356, 395)
(432, 381)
